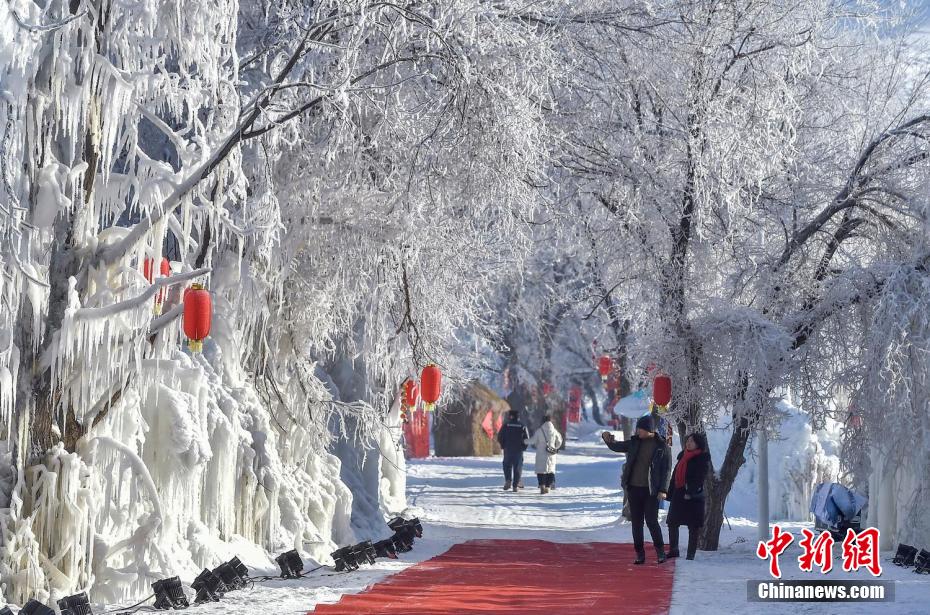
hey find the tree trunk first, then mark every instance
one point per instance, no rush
(719, 484)
(595, 407)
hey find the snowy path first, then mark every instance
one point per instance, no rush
(461, 499)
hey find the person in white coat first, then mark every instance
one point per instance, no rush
(547, 441)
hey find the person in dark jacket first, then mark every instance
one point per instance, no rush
(514, 439)
(687, 495)
(645, 481)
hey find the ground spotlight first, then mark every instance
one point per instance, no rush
(290, 563)
(383, 548)
(209, 587)
(169, 594)
(233, 573)
(922, 562)
(34, 607)
(345, 559)
(905, 555)
(240, 569)
(77, 604)
(412, 526)
(403, 543)
(365, 552)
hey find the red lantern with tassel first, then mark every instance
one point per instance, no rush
(605, 365)
(164, 270)
(662, 391)
(430, 385)
(198, 315)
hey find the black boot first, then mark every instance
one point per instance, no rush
(672, 553)
(660, 553)
(692, 541)
(640, 557)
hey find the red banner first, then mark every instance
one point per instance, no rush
(488, 424)
(416, 434)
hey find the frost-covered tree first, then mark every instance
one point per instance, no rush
(336, 172)
(728, 142)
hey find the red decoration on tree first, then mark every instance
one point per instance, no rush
(430, 385)
(613, 382)
(605, 365)
(662, 390)
(164, 270)
(410, 398)
(198, 315)
(574, 404)
(547, 388)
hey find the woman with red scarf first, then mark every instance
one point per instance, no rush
(687, 493)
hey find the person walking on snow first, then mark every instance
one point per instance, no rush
(514, 439)
(645, 481)
(547, 440)
(687, 495)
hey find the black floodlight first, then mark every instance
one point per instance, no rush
(6, 611)
(209, 587)
(403, 543)
(345, 559)
(34, 607)
(229, 576)
(290, 563)
(240, 568)
(169, 594)
(407, 525)
(396, 522)
(383, 548)
(77, 604)
(922, 562)
(905, 555)
(364, 552)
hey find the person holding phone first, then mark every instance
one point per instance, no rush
(645, 481)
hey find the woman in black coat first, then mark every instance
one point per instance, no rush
(687, 493)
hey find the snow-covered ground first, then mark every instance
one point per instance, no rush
(461, 499)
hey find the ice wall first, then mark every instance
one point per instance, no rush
(799, 459)
(188, 468)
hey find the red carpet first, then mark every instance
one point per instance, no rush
(520, 576)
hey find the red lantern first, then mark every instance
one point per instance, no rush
(165, 270)
(855, 421)
(430, 385)
(605, 365)
(547, 388)
(662, 390)
(198, 314)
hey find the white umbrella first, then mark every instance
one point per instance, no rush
(633, 406)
